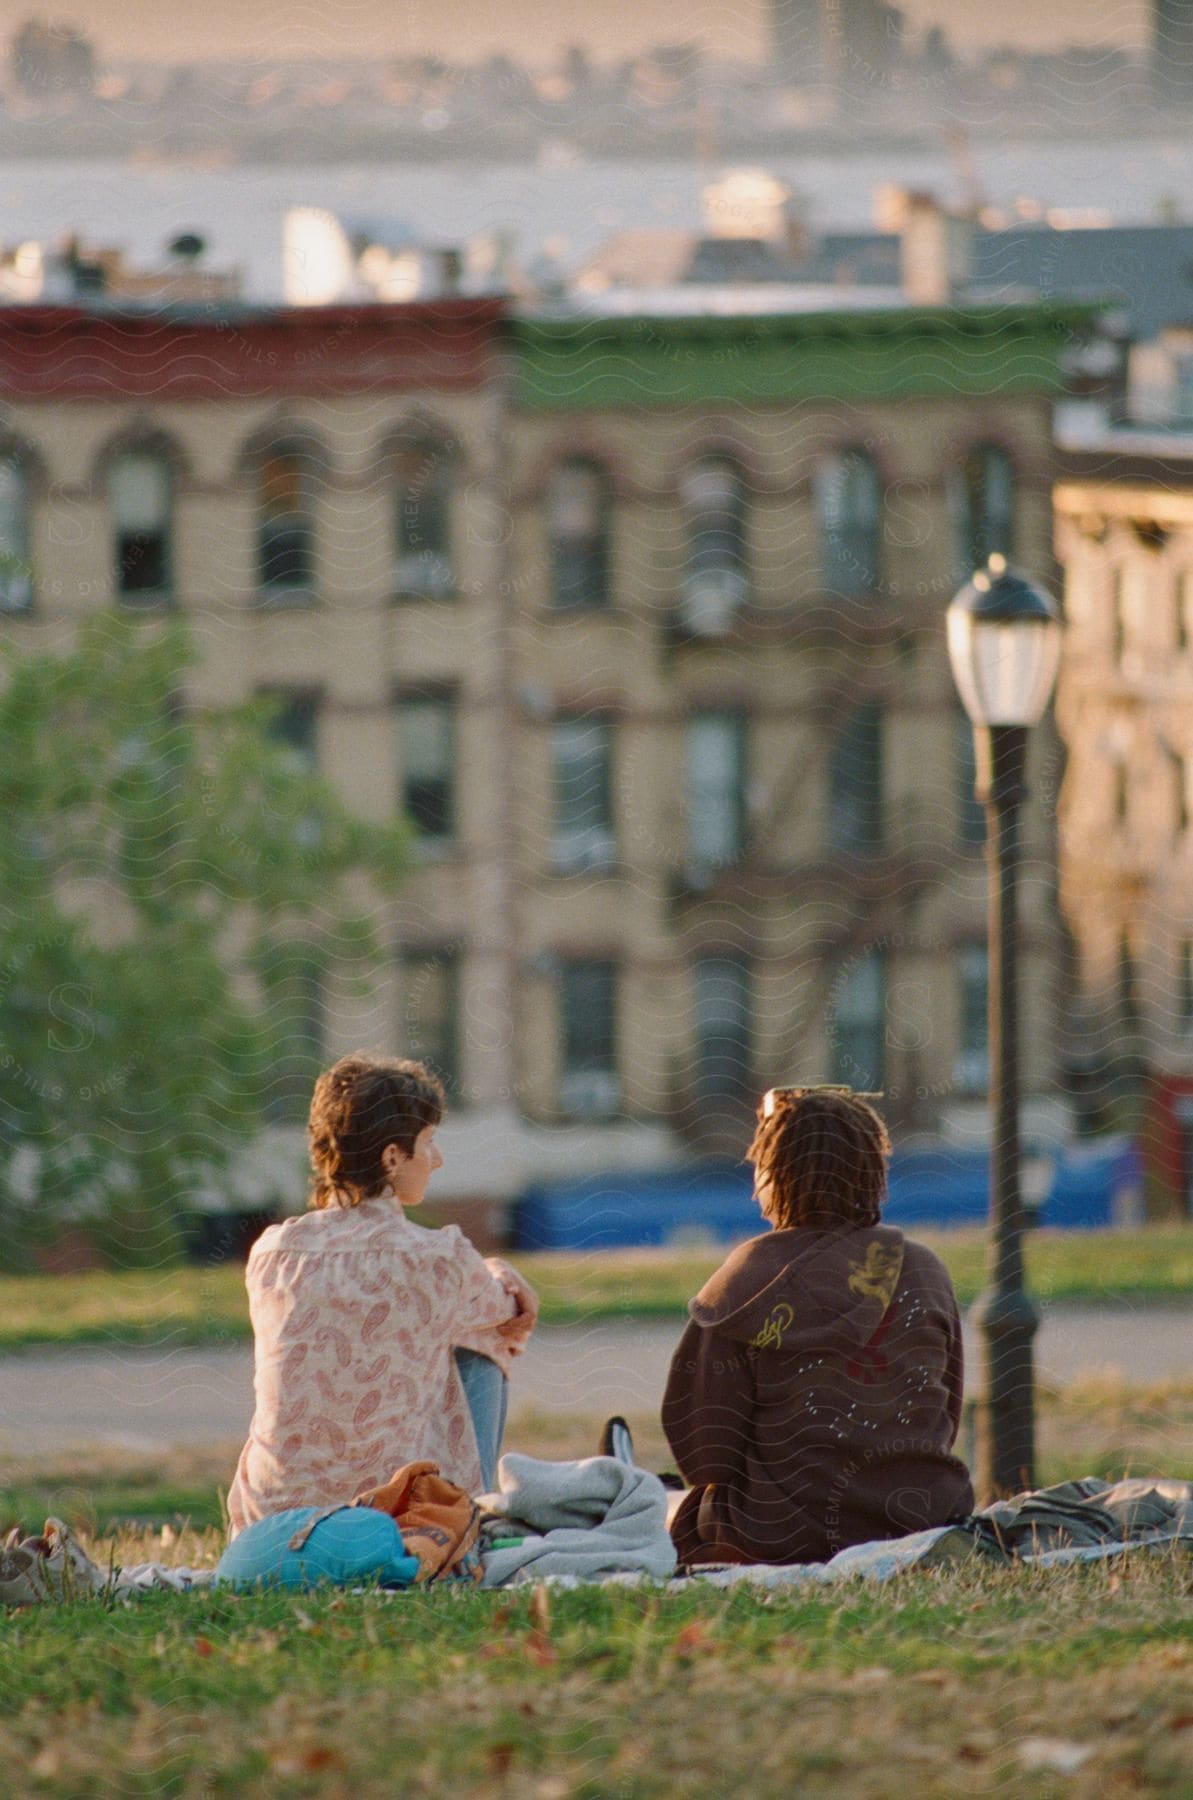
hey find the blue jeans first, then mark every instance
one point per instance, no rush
(487, 1393)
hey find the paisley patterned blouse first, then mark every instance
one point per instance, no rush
(356, 1312)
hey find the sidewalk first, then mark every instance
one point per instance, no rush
(149, 1399)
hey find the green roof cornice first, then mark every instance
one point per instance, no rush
(592, 362)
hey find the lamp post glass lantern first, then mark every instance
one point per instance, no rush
(1004, 637)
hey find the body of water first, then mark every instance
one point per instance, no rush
(562, 205)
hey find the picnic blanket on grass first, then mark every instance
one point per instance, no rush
(586, 1519)
(1075, 1521)
(603, 1520)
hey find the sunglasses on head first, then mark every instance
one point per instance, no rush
(773, 1095)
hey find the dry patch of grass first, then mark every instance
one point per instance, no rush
(1105, 1426)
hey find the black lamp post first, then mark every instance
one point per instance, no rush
(1004, 645)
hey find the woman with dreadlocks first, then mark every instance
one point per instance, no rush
(815, 1396)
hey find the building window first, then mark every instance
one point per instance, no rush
(578, 529)
(430, 1018)
(1128, 997)
(984, 507)
(1121, 792)
(285, 531)
(1118, 616)
(724, 1031)
(1180, 598)
(425, 478)
(583, 837)
(294, 995)
(857, 1024)
(715, 788)
(588, 1083)
(971, 812)
(1185, 988)
(294, 726)
(1178, 776)
(849, 507)
(716, 574)
(16, 569)
(140, 496)
(972, 1073)
(855, 822)
(427, 747)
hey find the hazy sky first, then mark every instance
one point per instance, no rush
(170, 29)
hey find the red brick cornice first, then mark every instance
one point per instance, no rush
(233, 352)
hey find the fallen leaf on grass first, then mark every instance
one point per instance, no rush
(304, 1759)
(541, 1650)
(321, 1756)
(540, 1607)
(869, 1677)
(500, 1759)
(1058, 1754)
(693, 1639)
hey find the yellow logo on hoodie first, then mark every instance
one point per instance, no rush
(771, 1335)
(878, 1276)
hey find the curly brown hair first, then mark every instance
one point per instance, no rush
(824, 1154)
(359, 1106)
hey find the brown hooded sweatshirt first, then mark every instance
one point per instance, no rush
(815, 1397)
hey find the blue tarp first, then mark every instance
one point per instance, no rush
(712, 1201)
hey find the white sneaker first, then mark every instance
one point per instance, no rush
(69, 1570)
(22, 1577)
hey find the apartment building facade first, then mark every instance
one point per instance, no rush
(640, 620)
(283, 480)
(1124, 535)
(746, 842)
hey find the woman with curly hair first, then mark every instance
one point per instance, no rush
(377, 1343)
(815, 1396)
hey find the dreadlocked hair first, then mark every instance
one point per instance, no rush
(361, 1104)
(824, 1155)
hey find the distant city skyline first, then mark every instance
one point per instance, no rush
(531, 30)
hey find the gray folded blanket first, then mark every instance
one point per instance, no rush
(1078, 1514)
(591, 1518)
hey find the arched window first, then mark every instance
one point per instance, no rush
(716, 577)
(425, 476)
(141, 504)
(16, 569)
(578, 531)
(849, 506)
(983, 491)
(285, 523)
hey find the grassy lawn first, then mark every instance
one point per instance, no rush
(204, 1306)
(959, 1681)
(966, 1680)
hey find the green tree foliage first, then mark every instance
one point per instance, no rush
(170, 880)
